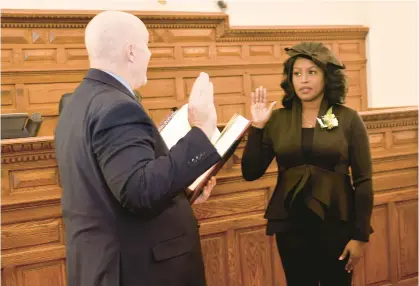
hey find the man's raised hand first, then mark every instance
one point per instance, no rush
(201, 108)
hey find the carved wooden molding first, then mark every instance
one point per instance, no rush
(391, 118)
(25, 150)
(391, 124)
(390, 114)
(28, 157)
(179, 20)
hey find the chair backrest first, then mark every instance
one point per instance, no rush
(65, 99)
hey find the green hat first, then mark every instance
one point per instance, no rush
(316, 51)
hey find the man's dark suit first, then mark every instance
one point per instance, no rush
(127, 220)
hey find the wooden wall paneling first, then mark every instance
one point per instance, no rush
(236, 250)
(32, 234)
(407, 212)
(386, 261)
(43, 56)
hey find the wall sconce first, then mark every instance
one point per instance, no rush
(163, 2)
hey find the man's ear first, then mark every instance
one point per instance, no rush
(130, 53)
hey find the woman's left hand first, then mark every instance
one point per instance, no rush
(355, 250)
(207, 191)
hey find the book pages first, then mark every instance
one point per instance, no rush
(230, 134)
(178, 126)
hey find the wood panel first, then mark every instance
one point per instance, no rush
(236, 249)
(43, 56)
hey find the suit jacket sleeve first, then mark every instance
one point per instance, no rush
(258, 153)
(361, 166)
(123, 143)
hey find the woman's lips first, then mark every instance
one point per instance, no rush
(305, 90)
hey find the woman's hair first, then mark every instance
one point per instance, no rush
(335, 89)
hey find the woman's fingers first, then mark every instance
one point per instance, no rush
(259, 97)
(264, 96)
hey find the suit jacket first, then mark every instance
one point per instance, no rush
(336, 153)
(127, 219)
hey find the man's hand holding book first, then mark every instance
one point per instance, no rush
(200, 112)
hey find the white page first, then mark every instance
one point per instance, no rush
(177, 128)
(228, 138)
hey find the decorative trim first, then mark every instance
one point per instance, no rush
(177, 20)
(43, 25)
(37, 149)
(181, 26)
(390, 113)
(391, 124)
(390, 118)
(250, 38)
(27, 158)
(67, 19)
(19, 145)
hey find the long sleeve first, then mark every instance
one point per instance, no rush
(123, 143)
(361, 166)
(258, 154)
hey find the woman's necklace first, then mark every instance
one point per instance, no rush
(311, 125)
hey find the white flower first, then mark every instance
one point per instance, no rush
(329, 120)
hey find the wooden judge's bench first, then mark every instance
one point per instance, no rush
(43, 56)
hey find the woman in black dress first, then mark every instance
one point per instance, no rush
(321, 208)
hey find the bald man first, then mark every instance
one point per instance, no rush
(127, 219)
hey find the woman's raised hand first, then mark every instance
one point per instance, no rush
(260, 112)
